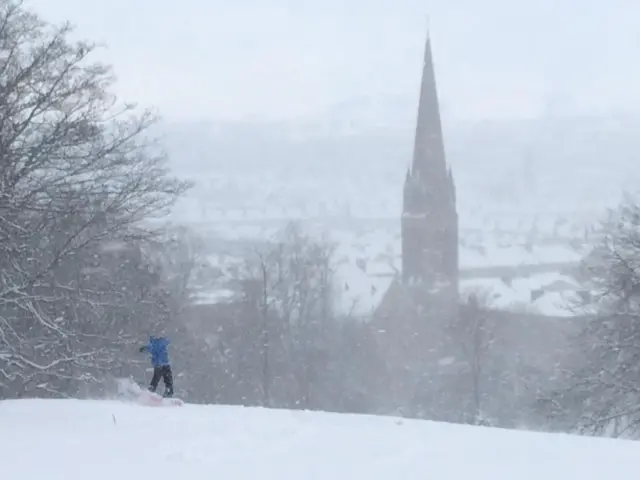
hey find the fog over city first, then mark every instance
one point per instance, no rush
(415, 210)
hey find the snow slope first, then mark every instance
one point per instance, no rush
(81, 439)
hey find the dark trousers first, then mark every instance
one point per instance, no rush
(163, 372)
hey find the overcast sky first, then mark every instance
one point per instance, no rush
(238, 59)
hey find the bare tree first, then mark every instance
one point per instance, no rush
(476, 336)
(457, 368)
(181, 253)
(287, 289)
(77, 172)
(259, 290)
(278, 341)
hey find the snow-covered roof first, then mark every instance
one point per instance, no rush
(493, 255)
(547, 294)
(357, 293)
(367, 260)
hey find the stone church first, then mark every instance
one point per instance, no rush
(449, 358)
(429, 218)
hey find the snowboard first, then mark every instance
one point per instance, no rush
(130, 390)
(152, 399)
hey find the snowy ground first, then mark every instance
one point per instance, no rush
(76, 440)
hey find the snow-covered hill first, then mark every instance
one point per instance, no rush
(76, 440)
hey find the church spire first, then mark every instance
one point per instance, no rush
(428, 153)
(429, 219)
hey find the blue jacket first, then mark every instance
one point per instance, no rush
(157, 347)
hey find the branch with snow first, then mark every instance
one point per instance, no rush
(79, 171)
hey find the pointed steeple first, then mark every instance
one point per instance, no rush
(430, 219)
(428, 153)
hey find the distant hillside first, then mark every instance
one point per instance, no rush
(560, 164)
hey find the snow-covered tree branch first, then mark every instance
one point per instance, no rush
(604, 393)
(78, 172)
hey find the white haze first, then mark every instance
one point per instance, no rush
(285, 59)
(243, 83)
(302, 114)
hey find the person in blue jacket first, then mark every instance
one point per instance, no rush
(158, 348)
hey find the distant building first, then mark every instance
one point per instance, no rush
(429, 222)
(429, 217)
(411, 338)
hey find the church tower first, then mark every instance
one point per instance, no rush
(429, 217)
